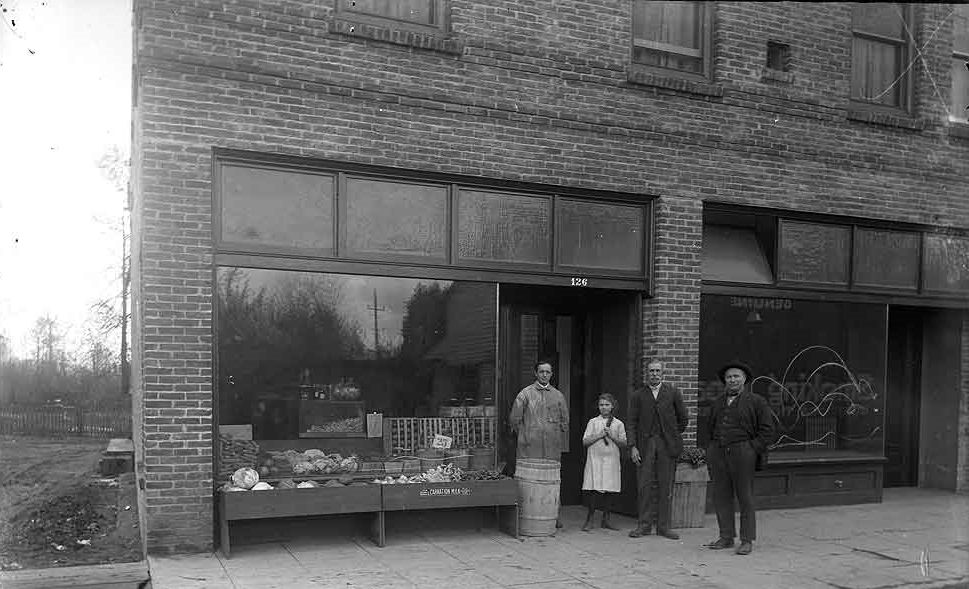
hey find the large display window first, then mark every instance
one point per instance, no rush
(821, 366)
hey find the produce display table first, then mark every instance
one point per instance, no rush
(501, 494)
(372, 498)
(241, 505)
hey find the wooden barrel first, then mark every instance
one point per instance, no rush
(482, 458)
(538, 492)
(459, 457)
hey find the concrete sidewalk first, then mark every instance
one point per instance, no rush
(915, 538)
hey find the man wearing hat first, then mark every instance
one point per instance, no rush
(740, 429)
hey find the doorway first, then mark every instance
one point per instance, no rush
(904, 392)
(589, 337)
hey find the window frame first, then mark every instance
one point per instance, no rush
(705, 53)
(907, 49)
(962, 55)
(441, 11)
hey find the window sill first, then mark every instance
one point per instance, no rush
(771, 75)
(959, 129)
(885, 119)
(648, 78)
(416, 39)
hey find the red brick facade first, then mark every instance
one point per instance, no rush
(524, 91)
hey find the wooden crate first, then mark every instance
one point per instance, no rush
(408, 435)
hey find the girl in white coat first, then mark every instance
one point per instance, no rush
(604, 437)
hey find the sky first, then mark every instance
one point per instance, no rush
(65, 99)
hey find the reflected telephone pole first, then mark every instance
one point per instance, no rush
(376, 332)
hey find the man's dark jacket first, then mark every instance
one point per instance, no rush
(755, 419)
(672, 417)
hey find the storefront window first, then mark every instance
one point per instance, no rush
(306, 356)
(821, 366)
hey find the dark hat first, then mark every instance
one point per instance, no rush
(736, 364)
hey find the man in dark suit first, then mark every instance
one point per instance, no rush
(657, 419)
(740, 429)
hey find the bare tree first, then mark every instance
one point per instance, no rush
(116, 166)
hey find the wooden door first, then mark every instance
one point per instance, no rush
(587, 336)
(903, 397)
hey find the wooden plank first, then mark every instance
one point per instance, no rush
(120, 446)
(449, 495)
(296, 502)
(130, 573)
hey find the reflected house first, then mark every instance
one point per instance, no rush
(465, 355)
(695, 181)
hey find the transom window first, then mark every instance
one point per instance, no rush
(672, 36)
(960, 57)
(880, 51)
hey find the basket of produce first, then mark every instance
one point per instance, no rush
(482, 458)
(459, 457)
(431, 458)
(411, 465)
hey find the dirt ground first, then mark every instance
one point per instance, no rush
(56, 510)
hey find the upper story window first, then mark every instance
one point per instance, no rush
(418, 15)
(960, 57)
(880, 50)
(674, 37)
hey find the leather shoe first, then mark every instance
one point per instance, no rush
(668, 534)
(640, 531)
(745, 548)
(720, 544)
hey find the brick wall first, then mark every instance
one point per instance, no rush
(537, 92)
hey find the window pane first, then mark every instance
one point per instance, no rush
(678, 24)
(811, 252)
(820, 365)
(946, 263)
(880, 18)
(416, 11)
(875, 68)
(675, 23)
(886, 258)
(277, 208)
(396, 218)
(503, 227)
(599, 235)
(960, 88)
(304, 355)
(960, 29)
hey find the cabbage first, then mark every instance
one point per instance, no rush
(245, 478)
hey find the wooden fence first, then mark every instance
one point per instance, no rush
(102, 422)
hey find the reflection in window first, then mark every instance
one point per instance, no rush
(306, 355)
(396, 218)
(820, 365)
(281, 208)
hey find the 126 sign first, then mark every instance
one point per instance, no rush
(577, 281)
